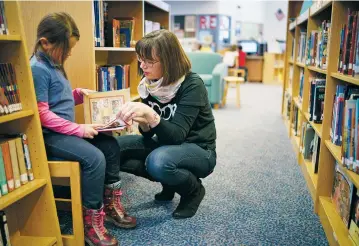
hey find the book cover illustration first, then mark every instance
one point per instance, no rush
(342, 194)
(102, 108)
(354, 220)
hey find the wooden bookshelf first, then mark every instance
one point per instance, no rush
(82, 12)
(6, 38)
(30, 209)
(320, 184)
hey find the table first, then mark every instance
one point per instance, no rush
(228, 80)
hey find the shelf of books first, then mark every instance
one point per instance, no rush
(25, 185)
(322, 73)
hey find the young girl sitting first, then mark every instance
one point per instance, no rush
(57, 34)
(175, 108)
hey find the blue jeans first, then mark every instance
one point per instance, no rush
(97, 157)
(168, 164)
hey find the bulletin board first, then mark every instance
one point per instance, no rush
(248, 31)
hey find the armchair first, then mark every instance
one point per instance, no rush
(212, 70)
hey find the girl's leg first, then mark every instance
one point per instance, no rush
(93, 165)
(180, 167)
(115, 212)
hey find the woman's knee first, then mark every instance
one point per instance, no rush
(159, 164)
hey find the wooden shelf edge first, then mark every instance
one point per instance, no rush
(346, 78)
(336, 152)
(303, 17)
(317, 128)
(297, 103)
(21, 192)
(62, 200)
(10, 38)
(34, 241)
(291, 61)
(314, 10)
(311, 178)
(123, 49)
(135, 97)
(336, 231)
(300, 64)
(159, 4)
(316, 69)
(292, 25)
(16, 116)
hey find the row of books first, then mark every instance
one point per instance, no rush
(301, 46)
(15, 163)
(318, 46)
(296, 119)
(9, 91)
(111, 32)
(348, 62)
(4, 230)
(112, 77)
(310, 145)
(345, 199)
(287, 105)
(3, 22)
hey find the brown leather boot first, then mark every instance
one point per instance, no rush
(95, 232)
(115, 212)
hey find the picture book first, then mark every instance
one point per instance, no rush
(354, 220)
(102, 108)
(342, 193)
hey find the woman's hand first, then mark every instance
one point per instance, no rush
(86, 92)
(140, 113)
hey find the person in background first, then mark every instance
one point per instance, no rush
(175, 108)
(57, 34)
(242, 61)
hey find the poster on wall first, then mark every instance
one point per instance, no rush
(204, 22)
(248, 31)
(213, 22)
(190, 23)
(224, 23)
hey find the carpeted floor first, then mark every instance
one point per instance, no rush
(256, 196)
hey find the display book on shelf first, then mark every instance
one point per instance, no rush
(323, 48)
(25, 189)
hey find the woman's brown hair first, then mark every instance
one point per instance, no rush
(57, 28)
(165, 45)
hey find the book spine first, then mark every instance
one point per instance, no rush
(25, 144)
(3, 184)
(5, 229)
(21, 160)
(14, 163)
(8, 167)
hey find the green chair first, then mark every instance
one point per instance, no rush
(212, 70)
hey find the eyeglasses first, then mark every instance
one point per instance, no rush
(149, 64)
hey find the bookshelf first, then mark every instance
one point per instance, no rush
(30, 209)
(81, 66)
(319, 184)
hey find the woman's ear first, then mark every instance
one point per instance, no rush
(45, 44)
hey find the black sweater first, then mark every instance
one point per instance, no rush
(186, 118)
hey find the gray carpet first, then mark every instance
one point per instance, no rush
(256, 195)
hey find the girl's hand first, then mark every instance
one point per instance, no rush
(86, 91)
(90, 130)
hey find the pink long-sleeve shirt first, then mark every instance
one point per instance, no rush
(57, 124)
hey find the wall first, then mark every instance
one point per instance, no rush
(274, 29)
(193, 7)
(253, 11)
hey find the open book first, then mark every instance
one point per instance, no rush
(102, 108)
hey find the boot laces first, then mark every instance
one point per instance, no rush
(99, 222)
(118, 204)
